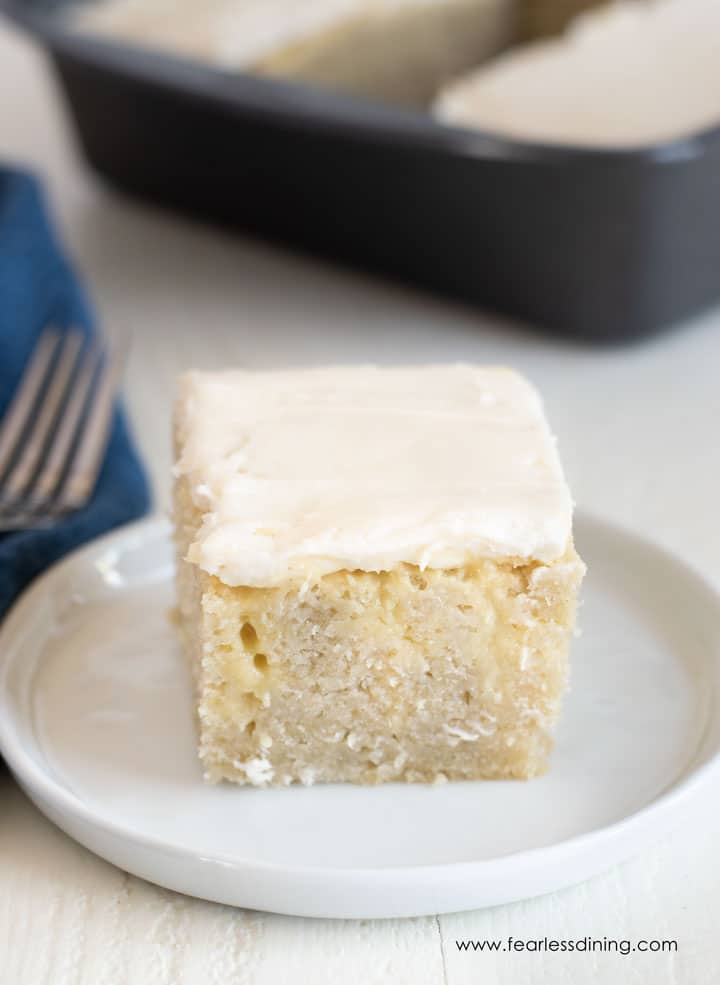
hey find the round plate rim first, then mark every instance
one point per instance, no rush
(45, 790)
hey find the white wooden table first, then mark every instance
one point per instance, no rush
(639, 434)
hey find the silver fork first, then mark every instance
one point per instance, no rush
(54, 435)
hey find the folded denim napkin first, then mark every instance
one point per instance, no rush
(38, 287)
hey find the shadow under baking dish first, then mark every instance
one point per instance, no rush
(96, 721)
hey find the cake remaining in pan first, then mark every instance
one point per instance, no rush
(376, 573)
(631, 74)
(401, 50)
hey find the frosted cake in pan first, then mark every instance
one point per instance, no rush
(376, 573)
(401, 50)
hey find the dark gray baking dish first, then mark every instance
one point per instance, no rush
(596, 245)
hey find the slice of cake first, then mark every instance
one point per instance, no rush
(399, 50)
(376, 573)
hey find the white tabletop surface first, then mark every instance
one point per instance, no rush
(638, 431)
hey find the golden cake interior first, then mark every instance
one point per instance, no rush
(407, 674)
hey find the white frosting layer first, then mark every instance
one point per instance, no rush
(629, 74)
(300, 473)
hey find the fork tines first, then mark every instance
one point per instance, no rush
(54, 434)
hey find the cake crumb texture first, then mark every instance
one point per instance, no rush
(370, 677)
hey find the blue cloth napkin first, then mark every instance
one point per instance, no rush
(38, 287)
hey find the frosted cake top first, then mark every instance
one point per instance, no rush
(300, 473)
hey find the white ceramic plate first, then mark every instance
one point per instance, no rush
(96, 723)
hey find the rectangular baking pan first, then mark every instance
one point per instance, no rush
(599, 246)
